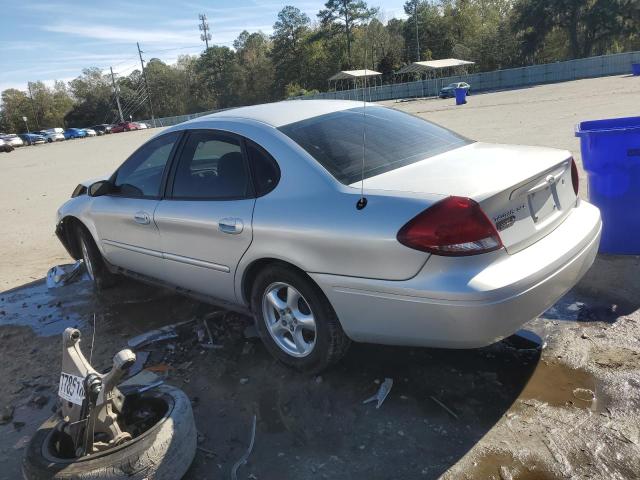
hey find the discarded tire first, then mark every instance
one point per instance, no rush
(163, 452)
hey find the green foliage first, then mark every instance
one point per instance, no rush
(298, 58)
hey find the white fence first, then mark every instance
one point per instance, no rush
(615, 64)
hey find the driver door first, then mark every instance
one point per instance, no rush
(124, 219)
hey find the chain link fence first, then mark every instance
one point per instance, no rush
(601, 66)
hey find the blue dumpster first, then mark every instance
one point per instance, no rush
(611, 157)
(461, 96)
(635, 69)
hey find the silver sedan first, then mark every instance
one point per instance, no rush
(332, 222)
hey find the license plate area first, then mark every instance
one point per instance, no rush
(542, 204)
(71, 388)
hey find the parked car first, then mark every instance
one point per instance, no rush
(90, 132)
(12, 139)
(51, 135)
(452, 243)
(32, 138)
(5, 147)
(142, 125)
(450, 90)
(74, 133)
(124, 127)
(102, 129)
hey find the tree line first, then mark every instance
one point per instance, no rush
(302, 53)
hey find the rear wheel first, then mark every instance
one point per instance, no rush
(94, 262)
(295, 320)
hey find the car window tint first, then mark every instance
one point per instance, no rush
(211, 166)
(393, 139)
(141, 174)
(266, 173)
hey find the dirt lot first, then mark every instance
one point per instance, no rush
(564, 402)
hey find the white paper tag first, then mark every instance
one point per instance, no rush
(71, 388)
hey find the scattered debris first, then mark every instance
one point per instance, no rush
(141, 360)
(250, 332)
(61, 275)
(7, 414)
(158, 335)
(245, 457)
(244, 381)
(318, 379)
(39, 401)
(584, 394)
(381, 394)
(447, 409)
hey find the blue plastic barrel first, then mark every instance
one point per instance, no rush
(611, 157)
(635, 69)
(461, 96)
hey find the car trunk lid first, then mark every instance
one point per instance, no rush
(525, 191)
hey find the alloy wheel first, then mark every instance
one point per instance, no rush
(289, 319)
(87, 260)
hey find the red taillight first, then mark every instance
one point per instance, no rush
(455, 226)
(574, 176)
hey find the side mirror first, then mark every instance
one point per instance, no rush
(100, 188)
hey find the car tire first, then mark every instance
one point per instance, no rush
(49, 140)
(94, 263)
(315, 348)
(164, 452)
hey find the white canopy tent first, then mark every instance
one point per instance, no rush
(433, 68)
(352, 77)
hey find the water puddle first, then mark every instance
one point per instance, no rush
(561, 386)
(130, 307)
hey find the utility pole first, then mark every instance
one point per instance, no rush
(146, 83)
(415, 14)
(117, 92)
(33, 108)
(205, 36)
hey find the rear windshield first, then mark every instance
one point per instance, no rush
(393, 139)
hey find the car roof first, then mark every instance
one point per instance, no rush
(282, 113)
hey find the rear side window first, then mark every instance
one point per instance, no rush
(266, 172)
(393, 139)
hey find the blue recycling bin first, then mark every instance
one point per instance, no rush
(611, 157)
(635, 69)
(461, 96)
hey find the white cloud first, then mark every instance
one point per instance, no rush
(123, 35)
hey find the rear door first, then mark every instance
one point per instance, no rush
(124, 218)
(206, 215)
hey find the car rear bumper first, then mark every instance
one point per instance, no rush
(468, 302)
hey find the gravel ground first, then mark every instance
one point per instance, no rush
(562, 403)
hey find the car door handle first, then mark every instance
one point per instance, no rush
(142, 218)
(230, 225)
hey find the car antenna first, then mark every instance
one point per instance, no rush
(362, 202)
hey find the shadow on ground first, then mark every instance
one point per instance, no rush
(441, 404)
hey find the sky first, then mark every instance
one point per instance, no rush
(55, 39)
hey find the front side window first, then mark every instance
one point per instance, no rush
(141, 174)
(393, 139)
(211, 166)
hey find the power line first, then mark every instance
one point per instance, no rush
(205, 36)
(146, 82)
(117, 93)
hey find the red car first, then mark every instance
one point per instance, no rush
(124, 127)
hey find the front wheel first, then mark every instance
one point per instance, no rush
(295, 320)
(97, 269)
